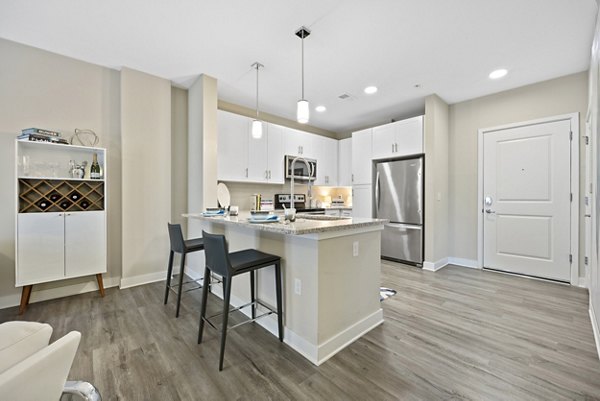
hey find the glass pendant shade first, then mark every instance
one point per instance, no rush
(256, 129)
(302, 112)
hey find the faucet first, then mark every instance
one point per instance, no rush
(310, 173)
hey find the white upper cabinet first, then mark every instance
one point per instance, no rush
(232, 146)
(258, 156)
(275, 154)
(345, 162)
(326, 153)
(362, 165)
(298, 143)
(401, 138)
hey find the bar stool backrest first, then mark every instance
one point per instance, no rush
(176, 237)
(217, 253)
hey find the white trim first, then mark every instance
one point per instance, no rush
(435, 266)
(583, 282)
(470, 263)
(574, 119)
(595, 327)
(8, 301)
(141, 279)
(316, 354)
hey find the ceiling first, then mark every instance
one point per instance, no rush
(445, 47)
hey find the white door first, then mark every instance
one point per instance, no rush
(527, 200)
(258, 168)
(362, 201)
(40, 253)
(384, 141)
(409, 136)
(85, 243)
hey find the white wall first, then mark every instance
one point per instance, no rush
(146, 175)
(179, 156)
(46, 90)
(436, 182)
(558, 96)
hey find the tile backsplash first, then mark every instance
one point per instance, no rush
(241, 192)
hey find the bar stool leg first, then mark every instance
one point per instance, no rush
(180, 289)
(203, 307)
(227, 296)
(279, 302)
(252, 295)
(169, 273)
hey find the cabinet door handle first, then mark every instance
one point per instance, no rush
(60, 215)
(353, 177)
(392, 148)
(396, 148)
(269, 174)
(266, 174)
(246, 172)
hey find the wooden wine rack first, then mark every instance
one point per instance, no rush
(44, 195)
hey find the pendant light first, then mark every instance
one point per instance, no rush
(302, 110)
(256, 123)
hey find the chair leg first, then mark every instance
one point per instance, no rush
(227, 296)
(203, 307)
(180, 289)
(279, 301)
(252, 294)
(169, 273)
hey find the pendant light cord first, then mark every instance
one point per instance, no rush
(257, 67)
(302, 66)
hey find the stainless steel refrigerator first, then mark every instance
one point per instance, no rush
(399, 198)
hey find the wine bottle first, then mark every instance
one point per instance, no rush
(95, 168)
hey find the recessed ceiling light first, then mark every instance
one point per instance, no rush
(498, 73)
(321, 109)
(369, 90)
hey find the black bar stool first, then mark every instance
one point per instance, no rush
(227, 265)
(179, 245)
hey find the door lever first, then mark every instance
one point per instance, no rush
(490, 211)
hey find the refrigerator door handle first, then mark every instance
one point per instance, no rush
(377, 193)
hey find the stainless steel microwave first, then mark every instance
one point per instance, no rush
(301, 170)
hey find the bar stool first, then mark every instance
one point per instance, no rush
(179, 245)
(227, 265)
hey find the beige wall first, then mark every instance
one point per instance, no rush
(42, 89)
(436, 181)
(244, 111)
(179, 156)
(555, 97)
(146, 175)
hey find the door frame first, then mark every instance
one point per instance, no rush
(574, 228)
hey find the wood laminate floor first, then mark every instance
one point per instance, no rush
(451, 335)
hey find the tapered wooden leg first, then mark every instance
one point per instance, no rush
(100, 284)
(25, 295)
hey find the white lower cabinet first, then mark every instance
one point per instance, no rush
(55, 246)
(362, 201)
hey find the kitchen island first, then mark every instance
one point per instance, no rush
(331, 276)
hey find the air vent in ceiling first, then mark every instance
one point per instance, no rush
(344, 96)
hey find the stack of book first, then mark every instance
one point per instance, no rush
(41, 135)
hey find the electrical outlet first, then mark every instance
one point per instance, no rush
(298, 286)
(355, 248)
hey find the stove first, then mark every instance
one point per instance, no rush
(299, 203)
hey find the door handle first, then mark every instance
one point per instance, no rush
(490, 211)
(392, 148)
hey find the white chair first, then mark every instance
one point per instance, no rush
(32, 370)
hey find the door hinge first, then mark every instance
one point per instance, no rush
(571, 135)
(585, 260)
(570, 258)
(587, 140)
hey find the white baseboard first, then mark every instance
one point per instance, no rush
(317, 354)
(141, 279)
(595, 327)
(583, 282)
(8, 301)
(470, 263)
(435, 266)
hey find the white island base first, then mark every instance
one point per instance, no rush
(330, 296)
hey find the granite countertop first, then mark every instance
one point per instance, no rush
(304, 224)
